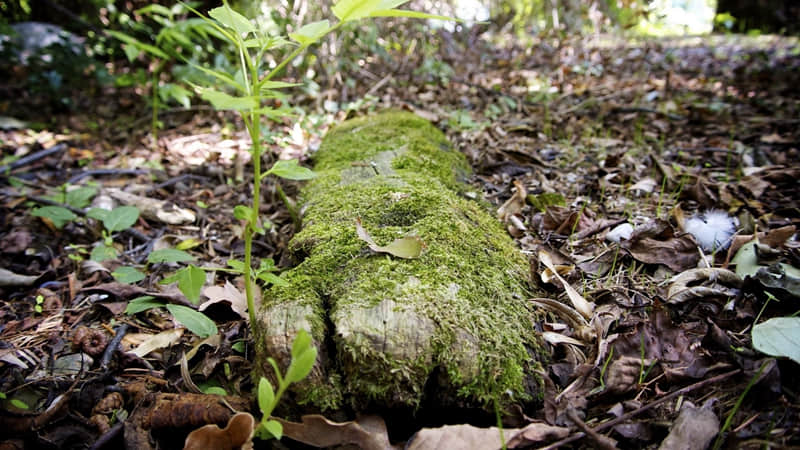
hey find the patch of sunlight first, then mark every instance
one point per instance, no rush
(679, 17)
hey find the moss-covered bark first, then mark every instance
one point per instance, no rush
(453, 324)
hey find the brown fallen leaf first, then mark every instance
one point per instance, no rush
(656, 243)
(237, 435)
(366, 432)
(227, 294)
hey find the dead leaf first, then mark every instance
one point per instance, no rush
(463, 437)
(694, 428)
(582, 305)
(366, 432)
(237, 435)
(513, 206)
(407, 247)
(227, 294)
(655, 243)
(157, 341)
(537, 433)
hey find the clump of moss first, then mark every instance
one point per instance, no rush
(389, 329)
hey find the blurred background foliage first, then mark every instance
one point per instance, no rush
(91, 56)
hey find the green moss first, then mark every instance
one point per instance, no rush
(385, 324)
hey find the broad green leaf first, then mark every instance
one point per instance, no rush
(143, 303)
(232, 19)
(190, 281)
(269, 277)
(301, 366)
(237, 265)
(311, 32)
(242, 212)
(266, 395)
(121, 218)
(98, 213)
(220, 100)
(274, 428)
(194, 321)
(103, 252)
(80, 197)
(153, 50)
(127, 275)
(302, 342)
(213, 390)
(175, 92)
(290, 170)
(186, 244)
(131, 52)
(408, 13)
(218, 74)
(779, 336)
(168, 255)
(348, 10)
(56, 214)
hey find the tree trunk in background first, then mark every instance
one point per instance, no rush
(768, 16)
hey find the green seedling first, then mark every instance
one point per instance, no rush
(39, 302)
(303, 356)
(729, 419)
(194, 321)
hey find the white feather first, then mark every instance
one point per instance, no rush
(712, 229)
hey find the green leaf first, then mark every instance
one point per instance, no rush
(98, 213)
(274, 428)
(349, 10)
(168, 255)
(121, 218)
(411, 14)
(237, 265)
(175, 92)
(102, 252)
(291, 170)
(222, 101)
(194, 321)
(190, 281)
(213, 390)
(779, 336)
(155, 51)
(143, 303)
(80, 197)
(238, 347)
(302, 342)
(269, 277)
(242, 212)
(127, 275)
(266, 395)
(56, 214)
(131, 52)
(311, 32)
(301, 366)
(232, 19)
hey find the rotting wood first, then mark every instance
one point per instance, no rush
(450, 328)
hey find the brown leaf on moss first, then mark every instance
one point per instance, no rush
(656, 243)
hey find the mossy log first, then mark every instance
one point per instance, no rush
(452, 326)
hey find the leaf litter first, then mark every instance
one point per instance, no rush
(568, 139)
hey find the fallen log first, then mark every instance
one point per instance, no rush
(451, 327)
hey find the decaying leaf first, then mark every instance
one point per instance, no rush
(154, 209)
(716, 282)
(513, 206)
(407, 247)
(237, 435)
(366, 432)
(656, 243)
(694, 428)
(157, 341)
(582, 305)
(9, 278)
(228, 294)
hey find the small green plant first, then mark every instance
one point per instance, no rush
(39, 302)
(114, 220)
(303, 356)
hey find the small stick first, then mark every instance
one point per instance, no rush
(25, 160)
(112, 346)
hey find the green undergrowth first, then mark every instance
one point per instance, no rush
(459, 310)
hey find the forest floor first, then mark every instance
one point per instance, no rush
(569, 140)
